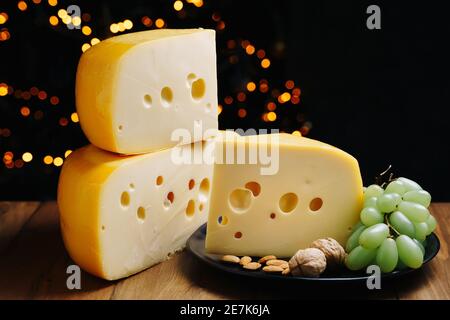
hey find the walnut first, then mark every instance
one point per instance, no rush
(309, 262)
(333, 251)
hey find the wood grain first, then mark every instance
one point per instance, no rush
(33, 266)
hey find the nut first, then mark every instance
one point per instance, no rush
(252, 266)
(309, 262)
(230, 258)
(267, 258)
(286, 272)
(276, 262)
(334, 252)
(245, 260)
(273, 269)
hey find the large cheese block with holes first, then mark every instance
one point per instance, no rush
(308, 190)
(135, 90)
(122, 214)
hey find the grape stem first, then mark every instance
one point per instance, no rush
(386, 221)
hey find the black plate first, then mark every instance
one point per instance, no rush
(196, 245)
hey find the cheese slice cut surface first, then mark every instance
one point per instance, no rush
(315, 193)
(134, 90)
(122, 214)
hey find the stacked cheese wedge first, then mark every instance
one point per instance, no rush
(126, 203)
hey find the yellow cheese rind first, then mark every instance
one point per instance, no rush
(307, 168)
(114, 236)
(116, 76)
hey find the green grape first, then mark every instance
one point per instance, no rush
(409, 252)
(414, 211)
(422, 248)
(357, 225)
(409, 184)
(421, 229)
(370, 216)
(402, 224)
(431, 222)
(371, 202)
(373, 190)
(396, 186)
(418, 196)
(388, 202)
(353, 240)
(387, 255)
(359, 258)
(373, 236)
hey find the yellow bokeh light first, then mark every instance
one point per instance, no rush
(62, 13)
(265, 63)
(114, 28)
(219, 109)
(53, 20)
(27, 157)
(58, 161)
(66, 154)
(36, 1)
(86, 30)
(67, 19)
(121, 26)
(251, 86)
(178, 5)
(197, 3)
(296, 133)
(159, 23)
(3, 90)
(74, 117)
(53, 3)
(250, 49)
(3, 17)
(76, 21)
(85, 46)
(128, 24)
(22, 5)
(271, 116)
(285, 97)
(48, 159)
(94, 41)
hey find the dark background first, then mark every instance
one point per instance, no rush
(381, 95)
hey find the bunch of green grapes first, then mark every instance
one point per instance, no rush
(393, 227)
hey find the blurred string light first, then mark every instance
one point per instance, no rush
(289, 94)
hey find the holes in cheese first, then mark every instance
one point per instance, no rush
(222, 220)
(254, 187)
(203, 193)
(238, 235)
(315, 204)
(191, 184)
(148, 84)
(148, 101)
(100, 236)
(288, 202)
(125, 199)
(170, 197)
(313, 191)
(166, 96)
(141, 214)
(240, 200)
(198, 89)
(190, 209)
(159, 180)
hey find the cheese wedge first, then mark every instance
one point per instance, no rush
(315, 192)
(122, 214)
(133, 91)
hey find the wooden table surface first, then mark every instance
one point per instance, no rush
(33, 265)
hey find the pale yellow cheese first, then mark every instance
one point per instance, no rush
(122, 214)
(316, 193)
(133, 91)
